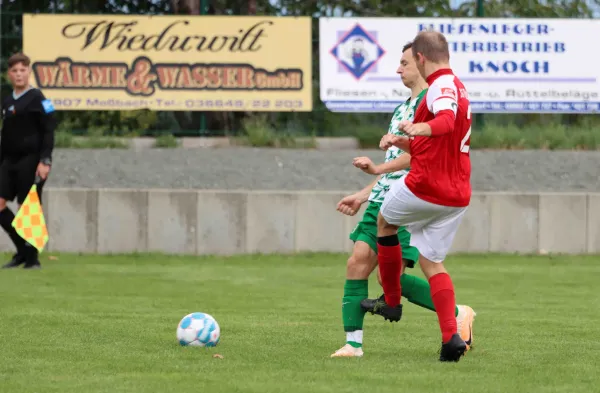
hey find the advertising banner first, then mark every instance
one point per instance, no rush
(507, 65)
(199, 63)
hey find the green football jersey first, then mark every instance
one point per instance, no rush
(404, 111)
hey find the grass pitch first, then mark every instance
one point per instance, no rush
(107, 324)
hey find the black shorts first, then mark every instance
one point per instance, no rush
(17, 176)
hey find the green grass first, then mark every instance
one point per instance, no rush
(549, 137)
(259, 132)
(510, 137)
(166, 141)
(66, 140)
(107, 324)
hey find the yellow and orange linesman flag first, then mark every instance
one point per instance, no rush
(30, 223)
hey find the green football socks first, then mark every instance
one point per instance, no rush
(416, 290)
(352, 314)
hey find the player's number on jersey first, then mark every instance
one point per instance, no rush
(464, 144)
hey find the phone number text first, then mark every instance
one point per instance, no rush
(68, 103)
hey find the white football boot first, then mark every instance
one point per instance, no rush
(348, 351)
(464, 324)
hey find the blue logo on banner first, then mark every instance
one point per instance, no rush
(357, 51)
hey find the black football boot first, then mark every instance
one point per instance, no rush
(453, 350)
(380, 307)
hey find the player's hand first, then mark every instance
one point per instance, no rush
(366, 165)
(401, 142)
(386, 141)
(349, 205)
(42, 171)
(412, 129)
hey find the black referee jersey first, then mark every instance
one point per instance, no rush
(27, 138)
(27, 126)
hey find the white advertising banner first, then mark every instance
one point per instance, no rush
(507, 65)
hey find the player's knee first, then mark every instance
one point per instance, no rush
(381, 222)
(2, 204)
(359, 266)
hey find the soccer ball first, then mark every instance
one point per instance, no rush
(198, 330)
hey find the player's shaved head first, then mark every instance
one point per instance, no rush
(432, 45)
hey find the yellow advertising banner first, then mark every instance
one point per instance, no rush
(198, 63)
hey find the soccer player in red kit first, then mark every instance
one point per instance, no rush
(431, 200)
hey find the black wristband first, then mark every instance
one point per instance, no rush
(46, 161)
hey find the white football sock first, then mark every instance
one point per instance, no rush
(355, 336)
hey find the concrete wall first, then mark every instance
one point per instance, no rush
(229, 222)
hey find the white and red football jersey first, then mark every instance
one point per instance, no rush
(440, 166)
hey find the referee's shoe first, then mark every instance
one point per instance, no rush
(29, 259)
(16, 261)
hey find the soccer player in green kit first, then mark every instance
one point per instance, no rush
(363, 260)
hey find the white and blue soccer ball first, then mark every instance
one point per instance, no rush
(198, 330)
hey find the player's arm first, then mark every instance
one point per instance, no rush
(402, 143)
(399, 163)
(363, 195)
(443, 105)
(350, 205)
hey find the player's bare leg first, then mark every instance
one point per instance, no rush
(442, 293)
(360, 265)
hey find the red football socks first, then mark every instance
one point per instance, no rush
(442, 294)
(389, 256)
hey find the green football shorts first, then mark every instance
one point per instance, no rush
(366, 231)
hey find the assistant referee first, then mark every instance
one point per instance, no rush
(26, 145)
